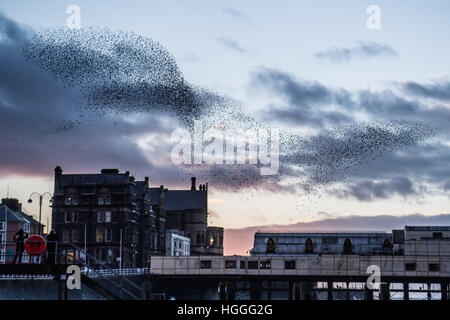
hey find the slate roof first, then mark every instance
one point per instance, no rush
(177, 200)
(6, 214)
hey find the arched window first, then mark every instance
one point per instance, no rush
(386, 244)
(309, 246)
(347, 246)
(270, 246)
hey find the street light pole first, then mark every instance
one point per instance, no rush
(41, 196)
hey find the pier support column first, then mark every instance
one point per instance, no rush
(330, 290)
(444, 291)
(429, 291)
(222, 291)
(347, 291)
(384, 291)
(146, 293)
(405, 290)
(255, 290)
(292, 291)
(269, 290)
(368, 293)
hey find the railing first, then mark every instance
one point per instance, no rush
(114, 278)
(112, 273)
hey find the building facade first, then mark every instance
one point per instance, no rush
(177, 245)
(313, 243)
(107, 213)
(122, 222)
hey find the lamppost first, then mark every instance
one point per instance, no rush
(41, 196)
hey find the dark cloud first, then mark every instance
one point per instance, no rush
(302, 94)
(11, 30)
(102, 91)
(231, 44)
(239, 241)
(369, 190)
(438, 90)
(362, 49)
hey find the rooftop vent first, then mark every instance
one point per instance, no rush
(109, 171)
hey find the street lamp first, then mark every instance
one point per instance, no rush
(41, 196)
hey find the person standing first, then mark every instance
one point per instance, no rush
(19, 237)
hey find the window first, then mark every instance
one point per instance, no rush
(289, 264)
(347, 246)
(230, 264)
(242, 265)
(71, 200)
(99, 234)
(110, 255)
(25, 257)
(100, 217)
(75, 235)
(108, 234)
(205, 264)
(66, 235)
(264, 264)
(74, 217)
(101, 200)
(437, 235)
(2, 255)
(433, 267)
(107, 199)
(309, 247)
(410, 266)
(270, 247)
(253, 264)
(67, 217)
(26, 227)
(2, 226)
(3, 238)
(108, 216)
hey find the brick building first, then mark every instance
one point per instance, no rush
(121, 220)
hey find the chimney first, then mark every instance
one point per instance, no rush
(193, 187)
(146, 179)
(12, 204)
(161, 196)
(58, 171)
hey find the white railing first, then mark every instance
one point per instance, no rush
(116, 272)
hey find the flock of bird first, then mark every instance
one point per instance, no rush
(122, 73)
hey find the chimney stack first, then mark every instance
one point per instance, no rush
(58, 171)
(193, 187)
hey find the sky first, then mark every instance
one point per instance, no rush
(303, 66)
